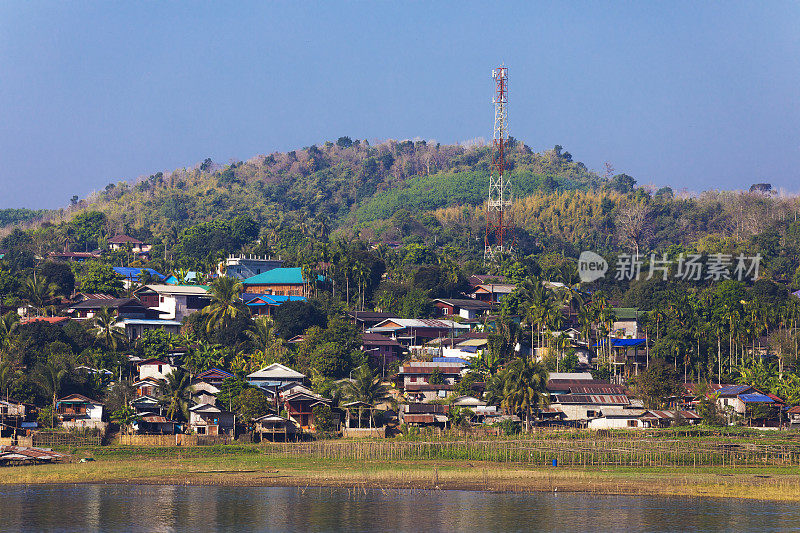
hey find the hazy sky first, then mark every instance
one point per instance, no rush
(696, 95)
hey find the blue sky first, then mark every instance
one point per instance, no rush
(696, 95)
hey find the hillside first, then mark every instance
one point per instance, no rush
(411, 192)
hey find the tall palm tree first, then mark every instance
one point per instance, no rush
(525, 388)
(38, 293)
(50, 378)
(261, 334)
(7, 375)
(365, 387)
(174, 393)
(8, 325)
(106, 329)
(226, 304)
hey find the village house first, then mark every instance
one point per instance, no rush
(155, 369)
(145, 405)
(124, 307)
(78, 411)
(424, 414)
(213, 376)
(466, 308)
(77, 257)
(277, 281)
(242, 267)
(275, 428)
(124, 242)
(208, 419)
(757, 408)
(626, 325)
(266, 304)
(174, 302)
(152, 424)
(299, 403)
(418, 331)
(582, 398)
(275, 376)
(381, 349)
(492, 293)
(368, 319)
(147, 386)
(203, 392)
(424, 381)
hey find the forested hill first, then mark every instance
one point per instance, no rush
(334, 180)
(415, 193)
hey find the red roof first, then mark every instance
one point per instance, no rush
(48, 319)
(121, 239)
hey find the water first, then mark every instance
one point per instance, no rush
(196, 508)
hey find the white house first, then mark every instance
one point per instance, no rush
(207, 419)
(155, 369)
(274, 376)
(174, 301)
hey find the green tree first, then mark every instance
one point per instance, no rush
(525, 389)
(97, 277)
(657, 385)
(226, 304)
(293, 318)
(106, 329)
(174, 394)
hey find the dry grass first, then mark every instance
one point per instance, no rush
(248, 469)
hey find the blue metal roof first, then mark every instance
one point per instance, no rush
(449, 360)
(269, 299)
(756, 398)
(133, 273)
(621, 343)
(733, 390)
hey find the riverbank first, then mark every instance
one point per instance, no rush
(249, 466)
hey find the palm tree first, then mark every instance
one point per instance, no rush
(51, 378)
(174, 393)
(525, 388)
(38, 293)
(261, 334)
(226, 304)
(7, 375)
(365, 387)
(106, 329)
(8, 325)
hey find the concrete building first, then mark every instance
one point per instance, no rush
(247, 266)
(175, 302)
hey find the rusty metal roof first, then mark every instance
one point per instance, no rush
(592, 399)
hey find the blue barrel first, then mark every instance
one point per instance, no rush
(555, 462)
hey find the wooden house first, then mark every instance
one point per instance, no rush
(207, 419)
(78, 411)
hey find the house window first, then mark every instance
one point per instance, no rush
(590, 414)
(161, 299)
(631, 423)
(159, 369)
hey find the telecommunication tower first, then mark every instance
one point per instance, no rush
(499, 218)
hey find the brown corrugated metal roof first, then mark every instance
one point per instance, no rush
(592, 399)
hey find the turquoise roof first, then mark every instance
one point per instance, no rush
(277, 276)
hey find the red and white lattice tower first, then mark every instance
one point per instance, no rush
(499, 218)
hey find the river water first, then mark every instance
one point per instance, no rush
(198, 508)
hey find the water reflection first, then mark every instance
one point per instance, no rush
(182, 508)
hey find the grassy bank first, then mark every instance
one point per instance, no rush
(251, 466)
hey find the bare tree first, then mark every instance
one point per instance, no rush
(633, 228)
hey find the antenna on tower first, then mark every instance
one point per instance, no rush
(499, 218)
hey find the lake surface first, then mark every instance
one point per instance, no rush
(198, 508)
